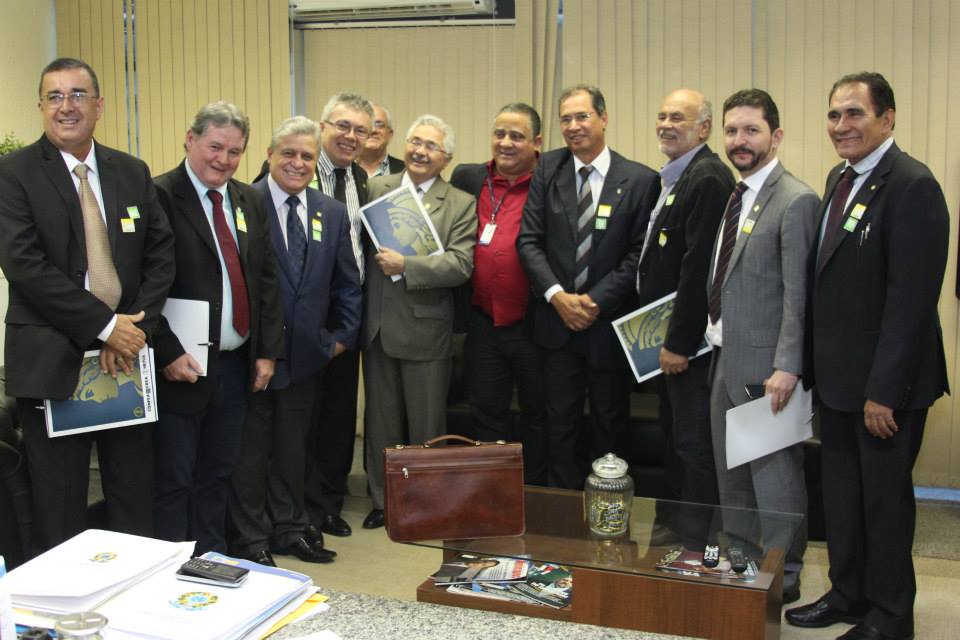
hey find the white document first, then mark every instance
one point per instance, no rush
(754, 431)
(190, 321)
(82, 572)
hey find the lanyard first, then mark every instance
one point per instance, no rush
(495, 206)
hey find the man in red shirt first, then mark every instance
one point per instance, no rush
(499, 350)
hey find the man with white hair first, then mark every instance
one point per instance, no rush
(408, 323)
(373, 157)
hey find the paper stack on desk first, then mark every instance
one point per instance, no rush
(87, 570)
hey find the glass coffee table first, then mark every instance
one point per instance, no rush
(616, 582)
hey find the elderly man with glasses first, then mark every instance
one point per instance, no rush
(374, 157)
(407, 326)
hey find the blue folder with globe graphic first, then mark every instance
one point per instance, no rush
(103, 402)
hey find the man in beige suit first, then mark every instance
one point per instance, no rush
(407, 324)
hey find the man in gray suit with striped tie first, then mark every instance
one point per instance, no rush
(756, 291)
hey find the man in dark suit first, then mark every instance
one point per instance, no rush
(373, 157)
(499, 348)
(320, 288)
(345, 126)
(676, 257)
(79, 282)
(408, 323)
(875, 355)
(579, 241)
(224, 258)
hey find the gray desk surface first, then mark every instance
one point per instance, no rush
(355, 616)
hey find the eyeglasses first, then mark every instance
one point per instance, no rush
(566, 121)
(380, 124)
(76, 98)
(345, 127)
(429, 145)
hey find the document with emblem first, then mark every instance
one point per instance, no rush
(399, 221)
(642, 333)
(103, 402)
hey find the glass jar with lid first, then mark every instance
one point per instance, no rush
(607, 496)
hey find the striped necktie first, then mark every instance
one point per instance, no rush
(731, 227)
(586, 212)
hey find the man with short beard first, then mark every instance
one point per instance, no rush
(676, 257)
(756, 293)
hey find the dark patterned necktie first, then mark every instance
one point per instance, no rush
(296, 239)
(837, 204)
(731, 227)
(586, 212)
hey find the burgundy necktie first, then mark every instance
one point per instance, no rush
(837, 204)
(231, 257)
(731, 227)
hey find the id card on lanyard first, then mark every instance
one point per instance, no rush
(486, 236)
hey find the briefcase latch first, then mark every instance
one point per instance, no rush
(406, 474)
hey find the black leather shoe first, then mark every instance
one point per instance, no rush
(335, 525)
(820, 614)
(263, 557)
(312, 535)
(307, 552)
(864, 631)
(374, 519)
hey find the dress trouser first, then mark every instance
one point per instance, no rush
(266, 496)
(568, 378)
(194, 458)
(870, 515)
(394, 389)
(774, 482)
(332, 436)
(59, 471)
(497, 358)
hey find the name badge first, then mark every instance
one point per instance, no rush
(748, 226)
(600, 224)
(133, 213)
(858, 211)
(669, 200)
(241, 221)
(850, 224)
(603, 211)
(128, 225)
(487, 235)
(662, 240)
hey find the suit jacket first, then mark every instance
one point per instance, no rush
(764, 289)
(548, 244)
(199, 278)
(327, 295)
(414, 316)
(873, 328)
(679, 255)
(469, 178)
(396, 164)
(51, 318)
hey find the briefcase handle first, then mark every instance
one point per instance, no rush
(438, 439)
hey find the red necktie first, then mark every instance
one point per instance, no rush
(231, 257)
(837, 204)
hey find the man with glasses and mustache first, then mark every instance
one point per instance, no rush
(407, 327)
(676, 257)
(374, 157)
(346, 125)
(88, 254)
(580, 237)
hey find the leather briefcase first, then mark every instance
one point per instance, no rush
(453, 492)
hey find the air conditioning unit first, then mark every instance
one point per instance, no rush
(341, 10)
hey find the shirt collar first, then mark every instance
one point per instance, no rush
(202, 188)
(90, 160)
(870, 163)
(326, 164)
(755, 181)
(424, 186)
(280, 196)
(672, 171)
(600, 164)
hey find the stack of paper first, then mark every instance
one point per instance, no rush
(85, 571)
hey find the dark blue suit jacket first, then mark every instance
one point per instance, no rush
(324, 307)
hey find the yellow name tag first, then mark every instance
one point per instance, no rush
(316, 223)
(662, 240)
(603, 211)
(128, 225)
(669, 200)
(317, 235)
(133, 213)
(858, 211)
(241, 221)
(748, 226)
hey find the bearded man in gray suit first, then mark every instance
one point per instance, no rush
(757, 292)
(408, 323)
